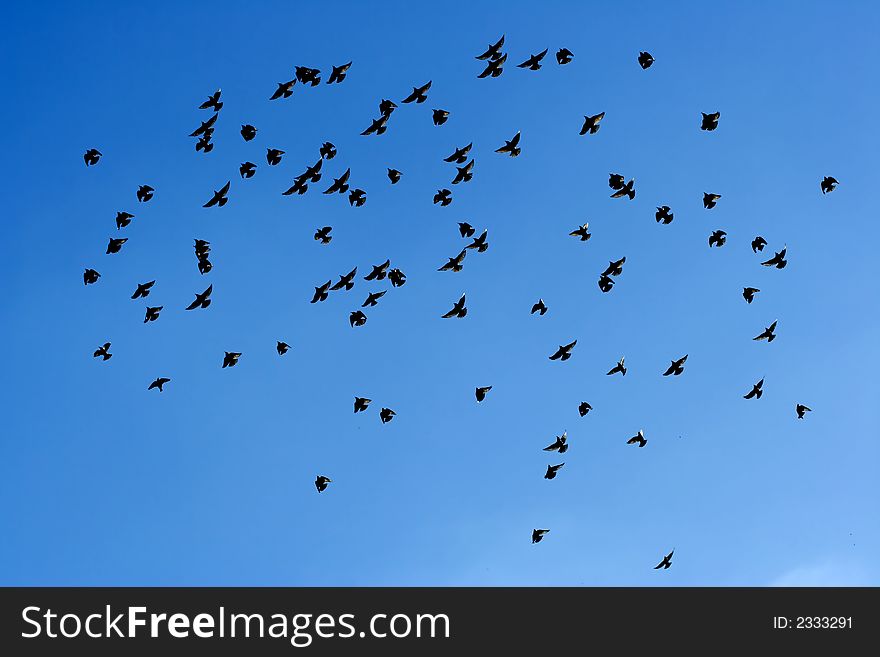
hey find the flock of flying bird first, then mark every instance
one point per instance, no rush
(495, 60)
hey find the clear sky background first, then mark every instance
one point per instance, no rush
(211, 482)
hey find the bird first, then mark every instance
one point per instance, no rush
(756, 391)
(386, 415)
(248, 132)
(538, 535)
(327, 150)
(494, 68)
(273, 156)
(564, 56)
(103, 352)
(464, 174)
(299, 186)
(582, 232)
(394, 176)
(559, 445)
(540, 308)
(321, 292)
(664, 215)
(152, 313)
(801, 411)
(230, 358)
(615, 267)
(709, 200)
(313, 172)
(115, 244)
(162, 380)
(584, 408)
(627, 190)
(458, 309)
(357, 318)
(758, 244)
(213, 102)
(443, 197)
(361, 403)
(220, 196)
(481, 393)
(91, 157)
(123, 219)
(338, 73)
(710, 121)
(202, 300)
(419, 94)
(345, 281)
(645, 60)
(533, 63)
(377, 126)
(749, 293)
(308, 75)
(145, 193)
(340, 185)
(204, 143)
(591, 123)
(717, 238)
(90, 276)
(479, 243)
(620, 367)
(386, 107)
(465, 229)
(284, 90)
(778, 260)
(143, 290)
(606, 283)
(677, 366)
(379, 272)
(768, 334)
(357, 197)
(321, 483)
(828, 184)
(493, 51)
(456, 263)
(511, 146)
(323, 235)
(460, 155)
(440, 116)
(247, 169)
(639, 439)
(373, 299)
(205, 126)
(564, 351)
(616, 181)
(281, 347)
(552, 470)
(397, 277)
(665, 563)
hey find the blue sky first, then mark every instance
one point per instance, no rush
(211, 482)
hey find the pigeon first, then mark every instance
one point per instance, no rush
(145, 193)
(533, 63)
(373, 299)
(494, 68)
(386, 415)
(219, 198)
(717, 238)
(204, 143)
(230, 358)
(103, 352)
(202, 300)
(361, 403)
(493, 51)
(213, 102)
(327, 150)
(386, 107)
(645, 60)
(90, 276)
(91, 157)
(584, 408)
(778, 260)
(481, 393)
(768, 334)
(559, 445)
(564, 56)
(419, 94)
(828, 184)
(397, 278)
(321, 483)
(710, 121)
(440, 116)
(664, 215)
(511, 147)
(338, 73)
(709, 200)
(152, 313)
(756, 391)
(639, 439)
(443, 197)
(273, 156)
(115, 244)
(616, 181)
(340, 185)
(552, 470)
(665, 563)
(749, 293)
(627, 190)
(162, 380)
(284, 90)
(379, 272)
(460, 155)
(345, 281)
(465, 229)
(606, 283)
(282, 347)
(323, 235)
(615, 267)
(377, 126)
(677, 366)
(123, 219)
(143, 290)
(539, 308)
(465, 173)
(564, 351)
(538, 535)
(758, 244)
(357, 197)
(456, 263)
(458, 309)
(582, 232)
(591, 123)
(620, 367)
(247, 169)
(394, 176)
(479, 243)
(357, 318)
(248, 132)
(205, 126)
(321, 292)
(802, 410)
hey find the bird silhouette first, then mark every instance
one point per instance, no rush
(115, 244)
(494, 68)
(357, 318)
(616, 181)
(321, 483)
(345, 281)
(220, 197)
(540, 308)
(103, 352)
(202, 300)
(306, 75)
(645, 60)
(591, 123)
(205, 126)
(419, 94)
(230, 358)
(160, 382)
(628, 190)
(440, 116)
(584, 408)
(778, 260)
(91, 157)
(538, 535)
(90, 276)
(458, 309)
(323, 235)
(340, 185)
(710, 121)
(247, 169)
(455, 263)
(357, 197)
(828, 184)
(666, 562)
(248, 132)
(379, 272)
(710, 200)
(511, 146)
(605, 283)
(481, 393)
(564, 56)
(397, 277)
(479, 243)
(615, 267)
(768, 334)
(464, 174)
(361, 403)
(459, 155)
(758, 244)
(620, 367)
(377, 126)
(582, 232)
(443, 197)
(465, 229)
(552, 470)
(756, 391)
(564, 351)
(639, 439)
(664, 215)
(533, 63)
(321, 292)
(213, 102)
(717, 238)
(749, 293)
(386, 107)
(373, 299)
(273, 156)
(143, 290)
(281, 347)
(493, 51)
(394, 176)
(145, 193)
(802, 410)
(386, 415)
(284, 90)
(327, 150)
(123, 219)
(559, 445)
(338, 73)
(152, 313)
(677, 366)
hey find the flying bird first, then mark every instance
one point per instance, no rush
(220, 197)
(538, 535)
(645, 60)
(145, 193)
(710, 121)
(373, 299)
(397, 277)
(552, 470)
(204, 143)
(758, 244)
(205, 126)
(115, 244)
(91, 157)
(282, 347)
(394, 176)
(308, 75)
(440, 116)
(479, 243)
(361, 403)
(152, 313)
(591, 123)
(202, 300)
(559, 445)
(465, 173)
(511, 147)
(564, 56)
(162, 380)
(709, 200)
(419, 94)
(717, 238)
(481, 393)
(273, 156)
(606, 283)
(616, 181)
(665, 563)
(749, 293)
(458, 309)
(327, 150)
(213, 102)
(582, 232)
(248, 132)
(493, 51)
(357, 318)
(321, 292)
(143, 290)
(615, 267)
(465, 229)
(247, 169)
(584, 408)
(323, 235)
(90, 276)
(756, 391)
(539, 308)
(230, 358)
(340, 185)
(768, 334)
(460, 155)
(627, 190)
(386, 107)
(533, 63)
(778, 260)
(828, 184)
(802, 410)
(321, 483)
(123, 219)
(338, 73)
(620, 367)
(357, 197)
(386, 415)
(494, 68)
(377, 126)
(663, 215)
(677, 366)
(103, 352)
(456, 263)
(379, 272)
(564, 351)
(443, 197)
(345, 281)
(639, 439)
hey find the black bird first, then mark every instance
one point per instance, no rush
(620, 367)
(584, 408)
(564, 56)
(511, 147)
(299, 186)
(758, 244)
(327, 150)
(709, 200)
(123, 219)
(802, 410)
(386, 107)
(91, 156)
(379, 272)
(337, 75)
(465, 229)
(386, 415)
(323, 235)
(677, 366)
(717, 238)
(480, 393)
(219, 198)
(552, 470)
(768, 334)
(559, 445)
(465, 173)
(321, 483)
(247, 169)
(103, 352)
(616, 181)
(749, 293)
(664, 215)
(778, 260)
(203, 248)
(538, 534)
(115, 244)
(710, 121)
(639, 439)
(313, 173)
(377, 126)
(456, 263)
(202, 300)
(591, 123)
(443, 197)
(539, 307)
(564, 351)
(756, 391)
(615, 267)
(397, 277)
(273, 156)
(493, 51)
(90, 276)
(340, 185)
(665, 563)
(230, 358)
(440, 116)
(645, 60)
(394, 176)
(321, 292)
(361, 403)
(494, 68)
(308, 75)
(460, 155)
(162, 380)
(582, 232)
(345, 281)
(828, 184)
(373, 299)
(248, 132)
(205, 126)
(357, 318)
(458, 309)
(213, 102)
(606, 283)
(145, 193)
(357, 197)
(204, 143)
(627, 190)
(282, 347)
(143, 290)
(419, 94)
(479, 243)
(152, 313)
(533, 63)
